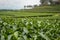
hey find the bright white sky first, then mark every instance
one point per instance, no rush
(16, 4)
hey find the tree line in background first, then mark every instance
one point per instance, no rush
(45, 2)
(50, 2)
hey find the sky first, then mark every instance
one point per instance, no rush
(17, 4)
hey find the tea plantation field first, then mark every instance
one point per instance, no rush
(40, 11)
(39, 23)
(19, 14)
(29, 29)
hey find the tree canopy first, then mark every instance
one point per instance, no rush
(52, 2)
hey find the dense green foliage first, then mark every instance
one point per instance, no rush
(29, 29)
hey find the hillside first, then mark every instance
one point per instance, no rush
(39, 9)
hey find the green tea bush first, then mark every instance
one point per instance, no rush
(29, 29)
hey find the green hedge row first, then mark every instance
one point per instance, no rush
(29, 29)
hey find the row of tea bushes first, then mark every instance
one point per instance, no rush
(29, 29)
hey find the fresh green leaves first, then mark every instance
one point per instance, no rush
(29, 29)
